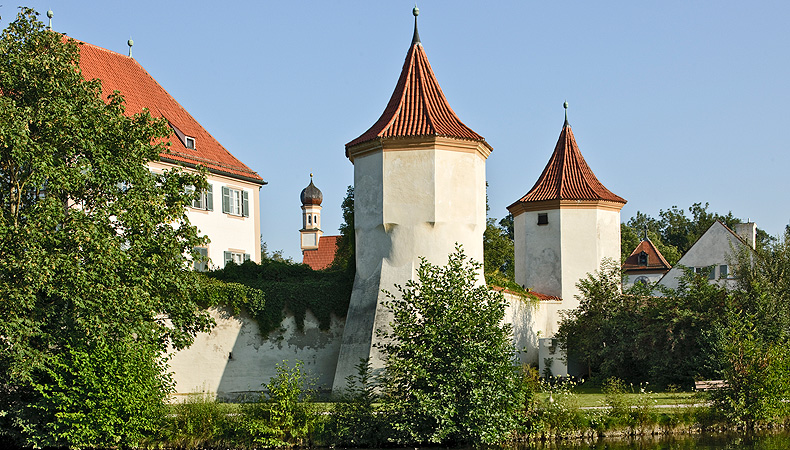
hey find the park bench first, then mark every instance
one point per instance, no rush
(709, 385)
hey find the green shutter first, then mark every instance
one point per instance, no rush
(246, 257)
(245, 204)
(225, 201)
(210, 198)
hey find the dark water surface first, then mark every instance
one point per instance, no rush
(718, 441)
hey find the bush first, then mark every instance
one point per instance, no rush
(200, 421)
(356, 419)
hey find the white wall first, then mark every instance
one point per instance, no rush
(538, 253)
(207, 365)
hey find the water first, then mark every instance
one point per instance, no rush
(719, 441)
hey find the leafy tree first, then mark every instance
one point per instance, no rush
(345, 257)
(93, 279)
(498, 250)
(449, 372)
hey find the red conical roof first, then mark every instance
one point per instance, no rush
(417, 106)
(568, 177)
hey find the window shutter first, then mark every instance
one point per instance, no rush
(723, 272)
(228, 256)
(246, 257)
(225, 202)
(245, 204)
(712, 274)
(210, 198)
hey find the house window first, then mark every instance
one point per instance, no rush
(643, 258)
(543, 218)
(236, 257)
(206, 200)
(723, 271)
(189, 142)
(235, 201)
(200, 262)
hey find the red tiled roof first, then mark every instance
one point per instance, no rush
(537, 295)
(418, 106)
(140, 90)
(324, 255)
(655, 260)
(568, 177)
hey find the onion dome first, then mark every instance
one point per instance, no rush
(311, 195)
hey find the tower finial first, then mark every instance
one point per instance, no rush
(311, 177)
(645, 239)
(416, 38)
(130, 43)
(565, 105)
(50, 14)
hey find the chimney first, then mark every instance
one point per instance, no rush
(747, 231)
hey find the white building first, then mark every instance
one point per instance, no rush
(713, 254)
(228, 211)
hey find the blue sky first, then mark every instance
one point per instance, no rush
(671, 102)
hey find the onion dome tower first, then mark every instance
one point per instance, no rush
(311, 198)
(419, 188)
(565, 225)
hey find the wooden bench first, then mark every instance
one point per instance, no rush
(709, 385)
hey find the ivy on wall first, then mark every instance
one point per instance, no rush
(276, 288)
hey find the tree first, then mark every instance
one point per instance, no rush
(345, 257)
(449, 360)
(93, 278)
(498, 250)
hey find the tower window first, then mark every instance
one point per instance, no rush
(310, 219)
(643, 257)
(543, 218)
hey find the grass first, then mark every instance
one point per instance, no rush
(593, 396)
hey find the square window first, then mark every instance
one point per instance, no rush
(189, 142)
(543, 218)
(205, 201)
(236, 257)
(235, 201)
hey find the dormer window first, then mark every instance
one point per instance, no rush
(189, 142)
(643, 259)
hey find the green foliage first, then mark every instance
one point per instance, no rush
(558, 413)
(289, 287)
(286, 418)
(449, 374)
(357, 420)
(498, 253)
(345, 257)
(637, 337)
(757, 373)
(91, 250)
(200, 422)
(631, 237)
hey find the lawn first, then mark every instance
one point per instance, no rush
(593, 396)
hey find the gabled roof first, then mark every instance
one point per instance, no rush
(655, 260)
(418, 106)
(567, 176)
(324, 255)
(140, 90)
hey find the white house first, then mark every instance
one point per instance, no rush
(228, 211)
(713, 254)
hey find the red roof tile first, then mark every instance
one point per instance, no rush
(140, 90)
(418, 106)
(324, 255)
(655, 260)
(568, 177)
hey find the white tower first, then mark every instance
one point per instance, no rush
(565, 225)
(311, 216)
(419, 188)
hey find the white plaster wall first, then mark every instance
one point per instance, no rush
(651, 278)
(226, 231)
(408, 204)
(588, 236)
(531, 321)
(716, 247)
(206, 366)
(538, 253)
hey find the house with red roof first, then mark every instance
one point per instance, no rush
(227, 212)
(645, 264)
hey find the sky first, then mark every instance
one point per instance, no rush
(671, 102)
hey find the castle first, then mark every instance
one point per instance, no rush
(420, 187)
